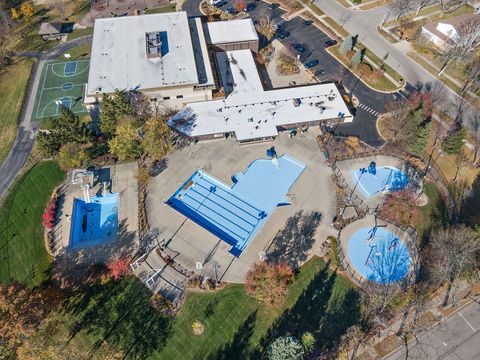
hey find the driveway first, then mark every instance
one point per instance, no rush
(371, 101)
(26, 132)
(456, 338)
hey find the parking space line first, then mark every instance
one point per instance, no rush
(471, 327)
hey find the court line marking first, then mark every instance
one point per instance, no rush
(76, 73)
(41, 92)
(471, 327)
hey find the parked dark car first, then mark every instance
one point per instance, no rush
(299, 48)
(307, 23)
(250, 7)
(231, 11)
(311, 64)
(330, 42)
(282, 34)
(273, 6)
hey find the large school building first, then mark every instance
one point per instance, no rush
(180, 62)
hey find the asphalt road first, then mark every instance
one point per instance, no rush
(25, 139)
(456, 338)
(313, 39)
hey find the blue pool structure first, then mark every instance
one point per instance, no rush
(379, 255)
(94, 223)
(376, 179)
(236, 213)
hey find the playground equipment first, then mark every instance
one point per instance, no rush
(85, 179)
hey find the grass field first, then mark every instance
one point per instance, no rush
(235, 324)
(13, 86)
(61, 82)
(22, 251)
(434, 213)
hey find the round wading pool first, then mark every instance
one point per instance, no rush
(378, 254)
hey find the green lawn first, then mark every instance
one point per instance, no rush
(22, 247)
(12, 90)
(80, 52)
(236, 326)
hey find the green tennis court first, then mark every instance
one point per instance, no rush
(61, 84)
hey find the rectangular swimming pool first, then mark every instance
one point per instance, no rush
(94, 223)
(236, 213)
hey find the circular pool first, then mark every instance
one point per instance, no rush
(376, 179)
(378, 254)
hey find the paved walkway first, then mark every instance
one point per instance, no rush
(23, 144)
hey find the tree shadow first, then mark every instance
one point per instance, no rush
(238, 347)
(119, 313)
(470, 211)
(292, 244)
(321, 309)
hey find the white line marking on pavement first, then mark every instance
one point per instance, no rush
(471, 327)
(444, 344)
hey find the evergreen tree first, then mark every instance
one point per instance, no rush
(285, 348)
(454, 141)
(112, 109)
(357, 58)
(421, 132)
(347, 44)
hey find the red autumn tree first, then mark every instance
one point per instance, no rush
(118, 268)
(240, 5)
(400, 206)
(423, 99)
(268, 282)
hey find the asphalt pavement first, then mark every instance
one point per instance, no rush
(313, 39)
(456, 338)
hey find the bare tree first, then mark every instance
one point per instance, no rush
(472, 75)
(61, 6)
(398, 112)
(467, 42)
(378, 299)
(454, 252)
(474, 124)
(351, 341)
(420, 4)
(452, 5)
(399, 8)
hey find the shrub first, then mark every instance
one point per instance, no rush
(285, 348)
(118, 268)
(333, 253)
(48, 217)
(357, 58)
(268, 283)
(400, 206)
(347, 44)
(308, 342)
(197, 327)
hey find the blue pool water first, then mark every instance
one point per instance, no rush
(384, 258)
(235, 214)
(384, 178)
(96, 222)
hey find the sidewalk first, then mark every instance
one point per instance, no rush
(387, 343)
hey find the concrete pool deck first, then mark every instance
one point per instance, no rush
(124, 182)
(346, 166)
(313, 192)
(345, 235)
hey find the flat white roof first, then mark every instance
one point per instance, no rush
(119, 60)
(222, 32)
(251, 112)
